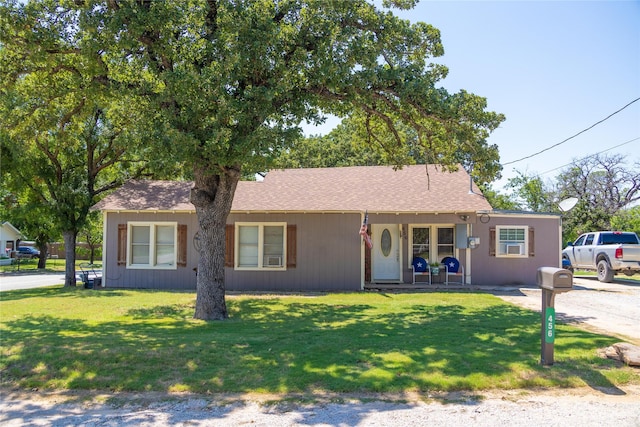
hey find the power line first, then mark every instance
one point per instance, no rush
(592, 155)
(571, 137)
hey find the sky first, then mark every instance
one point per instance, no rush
(553, 68)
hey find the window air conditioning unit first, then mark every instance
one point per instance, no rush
(274, 261)
(514, 249)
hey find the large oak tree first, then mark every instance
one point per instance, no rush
(231, 81)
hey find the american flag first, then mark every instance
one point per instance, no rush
(363, 231)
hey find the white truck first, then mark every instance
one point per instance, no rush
(607, 252)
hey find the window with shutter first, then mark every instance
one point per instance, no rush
(512, 241)
(153, 245)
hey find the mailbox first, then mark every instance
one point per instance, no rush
(555, 279)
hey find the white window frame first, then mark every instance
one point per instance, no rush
(261, 256)
(411, 228)
(523, 245)
(433, 241)
(152, 264)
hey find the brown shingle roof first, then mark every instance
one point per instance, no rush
(149, 196)
(355, 189)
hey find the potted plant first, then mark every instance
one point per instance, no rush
(435, 267)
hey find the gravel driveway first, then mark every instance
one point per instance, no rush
(608, 308)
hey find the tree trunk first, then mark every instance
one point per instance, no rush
(212, 196)
(70, 257)
(42, 259)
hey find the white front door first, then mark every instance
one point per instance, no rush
(385, 254)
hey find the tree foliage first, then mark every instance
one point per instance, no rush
(531, 193)
(604, 186)
(91, 234)
(627, 220)
(64, 141)
(352, 143)
(498, 200)
(229, 82)
(62, 169)
(337, 148)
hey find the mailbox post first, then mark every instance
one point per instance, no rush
(552, 281)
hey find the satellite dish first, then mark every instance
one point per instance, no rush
(567, 204)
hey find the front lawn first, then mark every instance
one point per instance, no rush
(126, 340)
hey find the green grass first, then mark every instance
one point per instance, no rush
(121, 340)
(31, 266)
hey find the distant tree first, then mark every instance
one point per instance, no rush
(60, 171)
(91, 234)
(230, 82)
(604, 185)
(69, 134)
(531, 193)
(350, 144)
(28, 215)
(440, 142)
(337, 148)
(627, 220)
(499, 200)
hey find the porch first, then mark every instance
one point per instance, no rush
(390, 287)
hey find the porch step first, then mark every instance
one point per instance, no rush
(409, 286)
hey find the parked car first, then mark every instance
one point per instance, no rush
(28, 252)
(607, 252)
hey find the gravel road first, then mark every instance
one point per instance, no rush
(584, 408)
(607, 308)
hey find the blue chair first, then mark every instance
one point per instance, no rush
(420, 267)
(453, 268)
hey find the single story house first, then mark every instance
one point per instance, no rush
(298, 230)
(9, 238)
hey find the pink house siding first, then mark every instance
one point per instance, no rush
(489, 270)
(328, 255)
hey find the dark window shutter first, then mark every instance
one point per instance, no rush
(122, 244)
(291, 246)
(492, 241)
(182, 245)
(229, 248)
(532, 245)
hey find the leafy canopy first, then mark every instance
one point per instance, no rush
(231, 81)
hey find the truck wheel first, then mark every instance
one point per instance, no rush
(605, 273)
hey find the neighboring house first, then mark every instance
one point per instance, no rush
(298, 231)
(9, 238)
